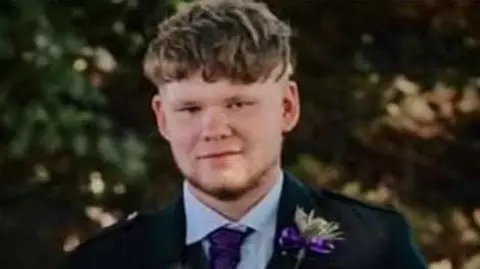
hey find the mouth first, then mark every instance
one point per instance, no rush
(218, 155)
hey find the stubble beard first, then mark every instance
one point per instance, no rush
(231, 194)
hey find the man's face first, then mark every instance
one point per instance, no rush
(225, 136)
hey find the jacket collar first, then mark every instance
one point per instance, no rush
(166, 237)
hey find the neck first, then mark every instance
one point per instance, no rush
(236, 209)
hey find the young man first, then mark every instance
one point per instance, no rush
(225, 102)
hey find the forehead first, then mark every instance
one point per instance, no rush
(195, 87)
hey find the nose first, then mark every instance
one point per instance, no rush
(215, 125)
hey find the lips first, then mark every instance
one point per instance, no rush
(218, 154)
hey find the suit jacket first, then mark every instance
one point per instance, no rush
(375, 237)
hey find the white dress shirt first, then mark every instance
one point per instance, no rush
(258, 247)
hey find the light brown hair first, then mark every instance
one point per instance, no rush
(240, 40)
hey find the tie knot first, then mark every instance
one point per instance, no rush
(228, 238)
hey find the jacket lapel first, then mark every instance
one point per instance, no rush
(294, 194)
(164, 239)
(195, 257)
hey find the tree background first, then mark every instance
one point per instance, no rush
(390, 115)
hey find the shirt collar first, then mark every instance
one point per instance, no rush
(202, 220)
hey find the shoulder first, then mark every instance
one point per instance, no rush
(112, 245)
(387, 228)
(123, 228)
(386, 222)
(390, 227)
(362, 209)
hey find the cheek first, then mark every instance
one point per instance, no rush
(270, 130)
(182, 148)
(270, 122)
(183, 137)
(263, 133)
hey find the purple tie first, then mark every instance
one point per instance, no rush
(225, 245)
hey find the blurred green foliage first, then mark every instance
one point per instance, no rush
(390, 107)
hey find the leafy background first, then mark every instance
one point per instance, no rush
(390, 107)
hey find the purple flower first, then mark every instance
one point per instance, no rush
(311, 234)
(292, 239)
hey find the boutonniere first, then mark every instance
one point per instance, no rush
(310, 234)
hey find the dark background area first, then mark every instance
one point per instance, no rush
(390, 115)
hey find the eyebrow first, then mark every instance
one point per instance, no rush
(185, 103)
(237, 98)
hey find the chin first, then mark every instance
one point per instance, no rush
(227, 183)
(224, 188)
(229, 193)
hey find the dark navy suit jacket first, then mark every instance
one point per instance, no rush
(375, 237)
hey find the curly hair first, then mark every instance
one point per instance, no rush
(240, 40)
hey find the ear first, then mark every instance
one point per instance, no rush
(159, 112)
(291, 107)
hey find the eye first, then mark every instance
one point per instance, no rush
(190, 109)
(239, 104)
